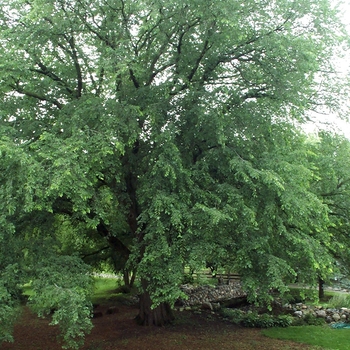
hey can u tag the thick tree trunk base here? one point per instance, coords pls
(159, 316)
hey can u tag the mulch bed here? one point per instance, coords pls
(119, 331)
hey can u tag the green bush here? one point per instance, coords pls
(339, 300)
(123, 289)
(308, 320)
(254, 320)
(8, 314)
(298, 295)
(187, 279)
(234, 315)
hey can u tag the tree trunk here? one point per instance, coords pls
(129, 277)
(126, 277)
(320, 288)
(159, 316)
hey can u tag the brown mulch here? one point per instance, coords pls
(119, 331)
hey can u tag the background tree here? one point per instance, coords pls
(332, 178)
(167, 128)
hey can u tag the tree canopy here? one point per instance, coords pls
(160, 134)
(330, 156)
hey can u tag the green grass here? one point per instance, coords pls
(310, 297)
(104, 289)
(322, 336)
(27, 289)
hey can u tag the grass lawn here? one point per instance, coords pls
(322, 336)
(103, 288)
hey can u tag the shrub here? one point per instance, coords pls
(187, 279)
(254, 320)
(339, 300)
(235, 316)
(123, 289)
(308, 320)
(296, 295)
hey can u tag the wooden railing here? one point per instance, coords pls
(222, 278)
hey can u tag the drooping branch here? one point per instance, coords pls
(65, 206)
(336, 191)
(44, 70)
(16, 87)
(114, 241)
(83, 256)
(342, 182)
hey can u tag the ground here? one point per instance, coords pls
(119, 331)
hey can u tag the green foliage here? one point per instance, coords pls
(266, 321)
(8, 314)
(308, 320)
(187, 279)
(149, 136)
(10, 298)
(63, 287)
(300, 295)
(339, 300)
(332, 185)
(234, 315)
(255, 320)
(73, 314)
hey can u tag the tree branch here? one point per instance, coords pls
(44, 70)
(74, 56)
(133, 78)
(32, 94)
(83, 256)
(114, 242)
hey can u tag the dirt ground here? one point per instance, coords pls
(119, 331)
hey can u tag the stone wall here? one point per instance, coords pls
(210, 297)
(330, 315)
(204, 295)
